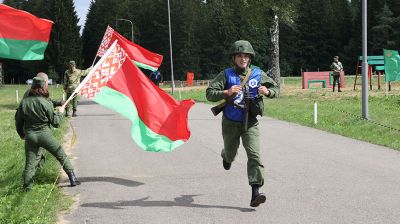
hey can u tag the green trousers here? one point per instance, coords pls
(74, 102)
(231, 133)
(45, 139)
(336, 79)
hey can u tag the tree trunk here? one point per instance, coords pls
(1, 74)
(275, 71)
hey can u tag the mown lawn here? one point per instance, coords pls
(42, 204)
(339, 113)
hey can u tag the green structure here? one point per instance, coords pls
(392, 65)
(376, 63)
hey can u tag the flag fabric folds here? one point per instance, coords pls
(23, 36)
(102, 72)
(142, 57)
(159, 122)
(392, 65)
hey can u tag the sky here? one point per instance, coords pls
(82, 7)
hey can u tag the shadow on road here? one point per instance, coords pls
(182, 201)
(115, 180)
(87, 102)
(96, 115)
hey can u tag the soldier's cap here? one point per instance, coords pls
(72, 63)
(336, 57)
(38, 82)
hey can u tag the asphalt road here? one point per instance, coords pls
(311, 176)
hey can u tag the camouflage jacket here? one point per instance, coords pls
(72, 79)
(336, 68)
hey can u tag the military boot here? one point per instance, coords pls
(27, 189)
(66, 113)
(41, 162)
(73, 179)
(226, 165)
(74, 113)
(257, 198)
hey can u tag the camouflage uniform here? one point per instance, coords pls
(336, 67)
(33, 119)
(232, 130)
(72, 79)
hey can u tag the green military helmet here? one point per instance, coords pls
(242, 46)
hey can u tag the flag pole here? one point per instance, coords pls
(364, 67)
(170, 49)
(95, 58)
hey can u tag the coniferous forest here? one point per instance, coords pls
(311, 32)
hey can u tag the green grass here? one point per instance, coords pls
(339, 113)
(17, 206)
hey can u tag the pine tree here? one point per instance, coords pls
(187, 53)
(65, 42)
(384, 33)
(103, 13)
(338, 26)
(394, 6)
(313, 43)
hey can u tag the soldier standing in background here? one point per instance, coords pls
(228, 84)
(156, 77)
(72, 78)
(337, 68)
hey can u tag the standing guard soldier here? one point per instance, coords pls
(232, 83)
(72, 78)
(337, 68)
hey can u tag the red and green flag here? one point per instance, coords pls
(159, 122)
(142, 57)
(23, 36)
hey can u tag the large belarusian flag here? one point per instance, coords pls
(23, 36)
(159, 122)
(142, 57)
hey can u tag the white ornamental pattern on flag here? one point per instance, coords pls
(104, 72)
(105, 42)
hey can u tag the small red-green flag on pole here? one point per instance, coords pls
(23, 36)
(142, 57)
